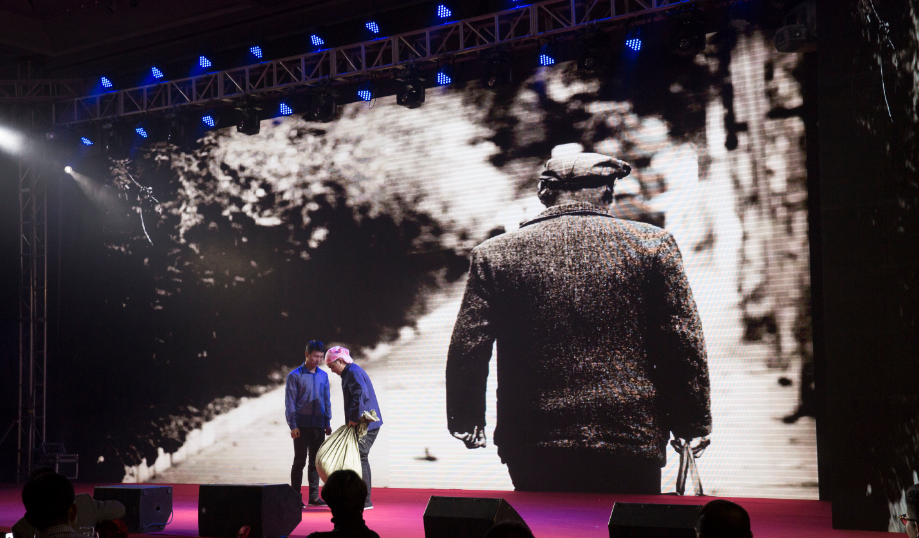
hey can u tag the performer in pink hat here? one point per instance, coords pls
(359, 397)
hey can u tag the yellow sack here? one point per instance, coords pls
(340, 451)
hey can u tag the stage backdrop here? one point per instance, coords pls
(184, 308)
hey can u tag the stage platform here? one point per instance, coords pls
(398, 513)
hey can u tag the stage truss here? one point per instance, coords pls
(523, 26)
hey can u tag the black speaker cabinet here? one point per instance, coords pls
(466, 517)
(270, 510)
(633, 520)
(146, 508)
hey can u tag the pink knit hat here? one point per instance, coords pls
(338, 352)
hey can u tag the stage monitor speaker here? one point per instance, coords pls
(466, 517)
(146, 508)
(633, 520)
(270, 510)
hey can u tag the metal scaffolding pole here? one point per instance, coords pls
(33, 307)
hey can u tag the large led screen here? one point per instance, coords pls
(197, 276)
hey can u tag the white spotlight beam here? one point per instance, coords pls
(518, 27)
(10, 140)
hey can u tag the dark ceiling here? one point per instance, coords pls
(84, 38)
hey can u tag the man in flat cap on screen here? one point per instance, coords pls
(600, 348)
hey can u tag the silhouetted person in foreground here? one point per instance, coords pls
(90, 512)
(508, 530)
(911, 518)
(345, 493)
(50, 506)
(724, 519)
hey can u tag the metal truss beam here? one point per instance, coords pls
(516, 27)
(33, 309)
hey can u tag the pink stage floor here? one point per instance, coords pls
(398, 513)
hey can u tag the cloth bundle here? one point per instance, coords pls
(340, 451)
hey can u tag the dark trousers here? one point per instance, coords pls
(563, 469)
(364, 447)
(307, 444)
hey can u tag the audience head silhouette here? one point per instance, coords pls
(345, 492)
(724, 519)
(509, 530)
(48, 499)
(912, 511)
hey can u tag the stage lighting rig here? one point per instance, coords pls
(498, 73)
(594, 54)
(411, 89)
(248, 121)
(323, 105)
(687, 33)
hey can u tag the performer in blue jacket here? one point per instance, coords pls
(359, 397)
(308, 409)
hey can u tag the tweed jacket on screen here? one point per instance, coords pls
(599, 342)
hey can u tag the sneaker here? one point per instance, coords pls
(368, 506)
(318, 502)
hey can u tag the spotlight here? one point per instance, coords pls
(10, 140)
(316, 40)
(411, 92)
(256, 51)
(157, 74)
(445, 75)
(323, 106)
(594, 55)
(687, 34)
(633, 40)
(86, 141)
(106, 83)
(68, 169)
(176, 133)
(444, 12)
(547, 54)
(498, 73)
(248, 122)
(373, 27)
(204, 62)
(141, 131)
(285, 109)
(365, 90)
(115, 139)
(209, 120)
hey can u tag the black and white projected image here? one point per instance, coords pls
(358, 232)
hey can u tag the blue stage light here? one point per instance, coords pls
(365, 91)
(445, 75)
(633, 39)
(286, 110)
(106, 83)
(157, 74)
(444, 12)
(373, 27)
(86, 141)
(316, 40)
(547, 54)
(209, 120)
(204, 62)
(256, 51)
(141, 131)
